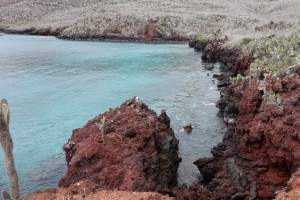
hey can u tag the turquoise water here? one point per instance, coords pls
(55, 86)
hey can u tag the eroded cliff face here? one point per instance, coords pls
(258, 156)
(260, 149)
(140, 153)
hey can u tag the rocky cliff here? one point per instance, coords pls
(260, 149)
(140, 154)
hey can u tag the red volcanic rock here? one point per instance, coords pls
(234, 59)
(258, 156)
(271, 136)
(140, 153)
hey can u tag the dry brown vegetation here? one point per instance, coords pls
(185, 18)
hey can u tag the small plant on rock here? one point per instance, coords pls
(201, 38)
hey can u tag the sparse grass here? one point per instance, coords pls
(4, 27)
(180, 18)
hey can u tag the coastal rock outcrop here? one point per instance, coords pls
(260, 148)
(140, 157)
(235, 60)
(140, 153)
(259, 154)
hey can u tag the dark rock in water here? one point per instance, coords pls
(209, 168)
(218, 151)
(188, 127)
(215, 76)
(222, 83)
(199, 45)
(221, 104)
(222, 77)
(141, 153)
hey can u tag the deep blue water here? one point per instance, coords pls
(55, 86)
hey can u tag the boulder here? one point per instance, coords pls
(140, 154)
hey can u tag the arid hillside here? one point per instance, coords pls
(150, 19)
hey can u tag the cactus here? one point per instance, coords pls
(7, 145)
(103, 129)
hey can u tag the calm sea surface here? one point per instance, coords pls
(55, 86)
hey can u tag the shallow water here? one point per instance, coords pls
(55, 86)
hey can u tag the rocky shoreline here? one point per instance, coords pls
(259, 152)
(257, 157)
(150, 35)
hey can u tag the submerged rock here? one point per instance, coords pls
(141, 153)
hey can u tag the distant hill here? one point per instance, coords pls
(150, 19)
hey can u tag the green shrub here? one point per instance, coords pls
(274, 55)
(201, 38)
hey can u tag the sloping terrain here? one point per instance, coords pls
(171, 19)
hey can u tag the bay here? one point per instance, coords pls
(54, 86)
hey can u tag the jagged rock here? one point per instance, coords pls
(261, 146)
(140, 154)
